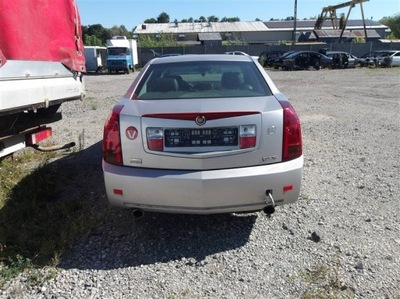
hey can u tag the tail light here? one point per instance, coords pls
(40, 135)
(292, 141)
(247, 136)
(155, 139)
(112, 152)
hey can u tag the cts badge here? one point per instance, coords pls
(131, 133)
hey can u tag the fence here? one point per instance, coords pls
(357, 49)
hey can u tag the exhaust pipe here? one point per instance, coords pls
(137, 213)
(270, 208)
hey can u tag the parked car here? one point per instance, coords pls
(342, 59)
(303, 60)
(388, 59)
(202, 134)
(236, 53)
(267, 58)
(240, 53)
(278, 61)
(371, 58)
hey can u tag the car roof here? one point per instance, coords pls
(306, 51)
(300, 52)
(235, 53)
(392, 51)
(380, 52)
(336, 52)
(202, 57)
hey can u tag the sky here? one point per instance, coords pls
(131, 13)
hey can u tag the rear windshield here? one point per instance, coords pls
(202, 79)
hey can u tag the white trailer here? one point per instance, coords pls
(95, 57)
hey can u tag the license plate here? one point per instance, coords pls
(201, 137)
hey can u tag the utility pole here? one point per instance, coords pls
(294, 23)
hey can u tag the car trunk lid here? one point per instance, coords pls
(229, 133)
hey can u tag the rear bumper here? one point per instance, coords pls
(202, 192)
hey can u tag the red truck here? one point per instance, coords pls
(42, 63)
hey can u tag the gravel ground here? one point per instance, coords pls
(340, 240)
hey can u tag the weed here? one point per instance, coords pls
(36, 277)
(316, 275)
(15, 266)
(91, 102)
(323, 283)
(36, 226)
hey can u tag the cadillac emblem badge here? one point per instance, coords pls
(200, 120)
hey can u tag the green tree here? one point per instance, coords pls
(120, 30)
(358, 40)
(97, 30)
(95, 35)
(150, 21)
(212, 19)
(394, 24)
(234, 19)
(341, 21)
(163, 18)
(202, 19)
(92, 40)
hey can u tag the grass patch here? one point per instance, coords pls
(91, 103)
(323, 282)
(36, 226)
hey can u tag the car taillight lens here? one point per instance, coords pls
(40, 135)
(292, 141)
(155, 139)
(112, 152)
(247, 136)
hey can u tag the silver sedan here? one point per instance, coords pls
(202, 134)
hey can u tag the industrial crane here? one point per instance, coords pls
(332, 11)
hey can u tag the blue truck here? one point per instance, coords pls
(121, 54)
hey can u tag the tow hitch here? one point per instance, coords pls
(52, 148)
